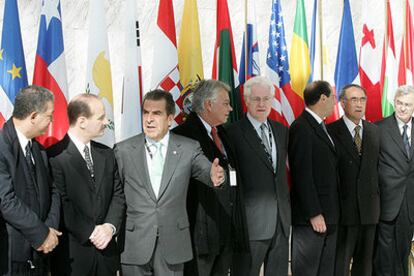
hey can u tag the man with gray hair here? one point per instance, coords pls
(210, 211)
(260, 145)
(396, 182)
(29, 202)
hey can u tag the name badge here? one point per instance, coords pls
(233, 177)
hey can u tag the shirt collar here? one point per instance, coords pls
(163, 141)
(79, 145)
(23, 141)
(351, 125)
(256, 124)
(401, 123)
(314, 115)
(206, 125)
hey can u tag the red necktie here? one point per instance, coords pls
(216, 139)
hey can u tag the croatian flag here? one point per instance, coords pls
(13, 76)
(50, 68)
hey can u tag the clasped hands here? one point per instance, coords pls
(102, 235)
(50, 242)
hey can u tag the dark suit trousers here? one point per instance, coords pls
(273, 253)
(394, 244)
(23, 269)
(215, 265)
(157, 266)
(355, 243)
(313, 254)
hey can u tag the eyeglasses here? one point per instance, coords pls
(355, 100)
(258, 99)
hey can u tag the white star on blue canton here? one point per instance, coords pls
(50, 10)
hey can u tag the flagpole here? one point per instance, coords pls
(319, 2)
(246, 48)
(405, 39)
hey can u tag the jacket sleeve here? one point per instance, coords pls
(17, 213)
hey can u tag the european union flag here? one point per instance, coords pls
(13, 76)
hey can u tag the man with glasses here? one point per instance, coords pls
(357, 146)
(396, 182)
(260, 146)
(314, 194)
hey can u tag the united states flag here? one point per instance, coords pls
(286, 105)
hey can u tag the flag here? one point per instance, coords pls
(319, 54)
(287, 105)
(98, 70)
(190, 60)
(249, 60)
(300, 68)
(224, 60)
(12, 64)
(369, 71)
(50, 69)
(389, 68)
(131, 122)
(165, 73)
(406, 63)
(250, 53)
(346, 69)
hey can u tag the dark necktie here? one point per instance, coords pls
(29, 159)
(357, 139)
(88, 160)
(406, 141)
(217, 140)
(265, 142)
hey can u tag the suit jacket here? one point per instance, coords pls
(21, 229)
(358, 188)
(313, 167)
(212, 212)
(265, 192)
(396, 170)
(166, 216)
(87, 202)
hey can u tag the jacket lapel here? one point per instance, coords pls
(346, 139)
(99, 165)
(139, 156)
(318, 129)
(395, 134)
(171, 161)
(276, 141)
(78, 162)
(253, 140)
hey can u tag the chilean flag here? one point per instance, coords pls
(50, 68)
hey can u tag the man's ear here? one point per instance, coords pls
(81, 121)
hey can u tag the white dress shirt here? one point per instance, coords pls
(351, 126)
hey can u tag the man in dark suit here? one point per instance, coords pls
(210, 211)
(260, 146)
(155, 168)
(314, 194)
(29, 203)
(396, 181)
(93, 201)
(357, 147)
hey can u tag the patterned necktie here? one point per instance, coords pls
(29, 158)
(357, 139)
(157, 168)
(265, 142)
(406, 141)
(88, 160)
(217, 139)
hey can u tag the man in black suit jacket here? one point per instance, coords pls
(210, 211)
(29, 203)
(396, 182)
(314, 194)
(93, 202)
(260, 146)
(357, 146)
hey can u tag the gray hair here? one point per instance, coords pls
(404, 90)
(206, 90)
(258, 80)
(31, 99)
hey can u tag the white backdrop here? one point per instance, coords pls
(75, 31)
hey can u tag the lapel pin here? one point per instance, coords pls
(174, 152)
